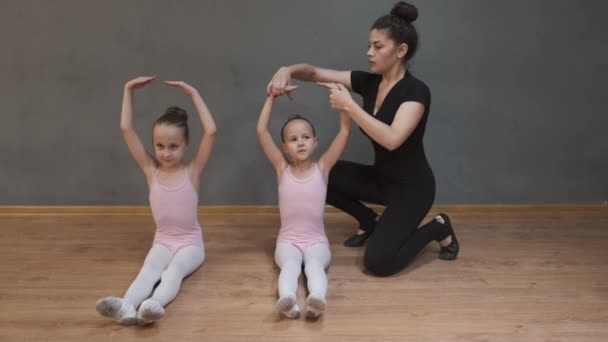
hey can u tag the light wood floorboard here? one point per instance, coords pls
(523, 275)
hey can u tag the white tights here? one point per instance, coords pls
(170, 269)
(316, 259)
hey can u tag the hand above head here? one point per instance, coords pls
(279, 84)
(287, 92)
(139, 82)
(185, 87)
(339, 96)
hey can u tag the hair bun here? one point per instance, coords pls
(406, 11)
(178, 112)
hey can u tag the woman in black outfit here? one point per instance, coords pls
(394, 115)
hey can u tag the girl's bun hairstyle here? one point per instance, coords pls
(177, 117)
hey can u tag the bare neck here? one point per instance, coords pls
(171, 169)
(394, 74)
(302, 164)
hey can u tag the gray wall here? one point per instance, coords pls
(518, 112)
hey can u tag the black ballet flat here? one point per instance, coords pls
(357, 240)
(449, 252)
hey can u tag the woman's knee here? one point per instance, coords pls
(379, 262)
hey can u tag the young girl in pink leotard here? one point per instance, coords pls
(302, 186)
(177, 249)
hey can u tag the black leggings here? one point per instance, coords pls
(396, 239)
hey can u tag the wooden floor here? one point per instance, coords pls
(523, 275)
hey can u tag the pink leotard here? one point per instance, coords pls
(175, 212)
(302, 205)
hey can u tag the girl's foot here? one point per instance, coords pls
(149, 311)
(288, 307)
(118, 309)
(315, 306)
